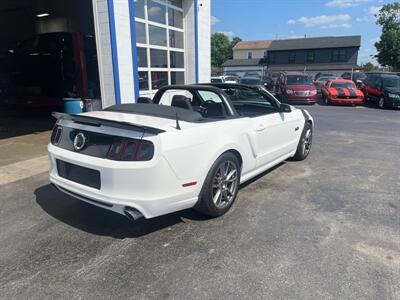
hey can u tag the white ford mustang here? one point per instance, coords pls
(190, 146)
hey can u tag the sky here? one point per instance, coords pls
(281, 19)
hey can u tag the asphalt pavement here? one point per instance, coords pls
(324, 228)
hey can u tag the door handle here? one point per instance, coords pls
(260, 128)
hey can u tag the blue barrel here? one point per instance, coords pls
(73, 106)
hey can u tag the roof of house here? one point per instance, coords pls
(316, 43)
(245, 45)
(243, 62)
(301, 43)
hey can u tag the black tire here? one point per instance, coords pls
(366, 98)
(215, 181)
(305, 143)
(325, 99)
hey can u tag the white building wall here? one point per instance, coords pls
(103, 41)
(190, 51)
(242, 54)
(124, 50)
(204, 42)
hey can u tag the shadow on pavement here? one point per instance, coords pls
(98, 221)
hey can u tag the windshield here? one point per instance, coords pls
(250, 81)
(348, 85)
(298, 80)
(323, 79)
(391, 81)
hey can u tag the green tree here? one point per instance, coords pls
(234, 41)
(389, 45)
(220, 49)
(368, 67)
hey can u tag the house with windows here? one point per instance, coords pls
(311, 55)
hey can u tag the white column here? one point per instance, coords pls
(204, 40)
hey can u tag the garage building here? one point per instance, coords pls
(119, 49)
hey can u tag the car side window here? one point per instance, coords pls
(373, 81)
(251, 103)
(378, 82)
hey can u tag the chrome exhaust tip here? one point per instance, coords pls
(132, 214)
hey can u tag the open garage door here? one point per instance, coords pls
(47, 54)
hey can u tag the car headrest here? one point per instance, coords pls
(181, 101)
(215, 110)
(144, 100)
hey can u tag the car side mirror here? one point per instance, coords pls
(285, 108)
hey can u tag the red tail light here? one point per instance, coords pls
(123, 149)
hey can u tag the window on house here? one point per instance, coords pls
(271, 58)
(310, 56)
(249, 55)
(339, 55)
(292, 57)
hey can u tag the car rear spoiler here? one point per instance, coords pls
(93, 121)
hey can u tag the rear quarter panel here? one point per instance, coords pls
(192, 151)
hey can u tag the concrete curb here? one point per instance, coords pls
(23, 169)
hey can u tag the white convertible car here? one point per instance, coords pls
(190, 146)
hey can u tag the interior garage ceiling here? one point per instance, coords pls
(18, 18)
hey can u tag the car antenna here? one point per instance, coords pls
(177, 122)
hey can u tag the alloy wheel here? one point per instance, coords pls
(307, 142)
(225, 183)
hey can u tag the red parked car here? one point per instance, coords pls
(341, 91)
(297, 88)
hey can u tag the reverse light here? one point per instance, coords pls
(124, 149)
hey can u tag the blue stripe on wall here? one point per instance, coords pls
(196, 39)
(134, 49)
(114, 53)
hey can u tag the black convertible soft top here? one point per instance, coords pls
(157, 110)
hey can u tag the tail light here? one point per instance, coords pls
(123, 149)
(56, 135)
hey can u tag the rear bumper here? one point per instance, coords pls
(152, 188)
